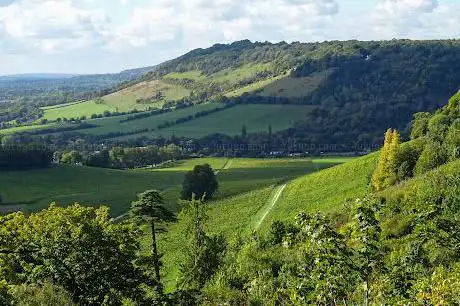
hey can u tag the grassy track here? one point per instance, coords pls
(278, 191)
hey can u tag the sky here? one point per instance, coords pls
(102, 36)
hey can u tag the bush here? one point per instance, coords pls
(434, 155)
(42, 295)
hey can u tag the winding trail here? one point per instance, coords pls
(267, 208)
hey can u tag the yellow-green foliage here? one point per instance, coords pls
(443, 288)
(385, 174)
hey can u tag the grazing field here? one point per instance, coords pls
(126, 99)
(33, 190)
(61, 105)
(121, 101)
(113, 124)
(76, 110)
(257, 118)
(256, 86)
(90, 186)
(233, 75)
(22, 129)
(195, 75)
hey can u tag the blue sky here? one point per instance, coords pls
(98, 36)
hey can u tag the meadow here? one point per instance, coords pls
(256, 118)
(126, 99)
(34, 190)
(76, 110)
(121, 101)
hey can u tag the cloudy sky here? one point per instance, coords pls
(97, 36)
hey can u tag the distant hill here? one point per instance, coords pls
(35, 77)
(354, 89)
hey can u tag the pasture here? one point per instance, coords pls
(126, 99)
(256, 118)
(34, 190)
(76, 110)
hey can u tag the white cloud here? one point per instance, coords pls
(198, 22)
(52, 25)
(401, 7)
(415, 19)
(108, 35)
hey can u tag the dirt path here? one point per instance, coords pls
(226, 166)
(267, 208)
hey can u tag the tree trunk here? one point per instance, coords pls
(366, 301)
(156, 260)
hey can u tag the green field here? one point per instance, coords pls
(122, 101)
(76, 110)
(34, 189)
(233, 75)
(195, 75)
(256, 86)
(112, 124)
(61, 105)
(294, 87)
(257, 118)
(125, 100)
(26, 128)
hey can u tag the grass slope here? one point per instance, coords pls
(122, 101)
(245, 190)
(294, 87)
(125, 100)
(325, 190)
(76, 110)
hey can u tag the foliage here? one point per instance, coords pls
(432, 156)
(201, 183)
(386, 172)
(150, 206)
(204, 252)
(40, 295)
(78, 248)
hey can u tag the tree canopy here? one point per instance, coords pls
(201, 182)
